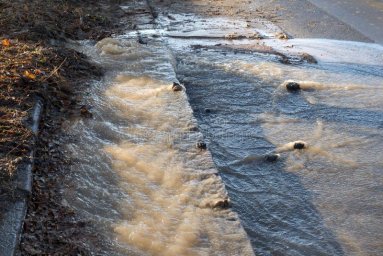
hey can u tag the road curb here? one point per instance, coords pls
(13, 219)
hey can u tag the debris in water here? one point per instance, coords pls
(197, 46)
(282, 35)
(222, 204)
(84, 110)
(308, 58)
(142, 41)
(171, 17)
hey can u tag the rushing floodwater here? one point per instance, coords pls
(150, 191)
(325, 199)
(139, 175)
(312, 201)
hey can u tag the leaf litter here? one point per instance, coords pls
(35, 64)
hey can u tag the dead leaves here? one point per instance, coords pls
(29, 75)
(19, 63)
(34, 75)
(5, 42)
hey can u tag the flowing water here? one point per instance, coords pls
(303, 169)
(139, 175)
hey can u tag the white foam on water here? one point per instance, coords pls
(337, 88)
(327, 50)
(340, 163)
(174, 201)
(195, 26)
(311, 85)
(172, 195)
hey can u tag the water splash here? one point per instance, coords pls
(174, 203)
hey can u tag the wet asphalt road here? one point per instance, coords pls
(365, 16)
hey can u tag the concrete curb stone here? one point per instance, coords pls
(13, 219)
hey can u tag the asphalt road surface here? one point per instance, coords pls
(365, 16)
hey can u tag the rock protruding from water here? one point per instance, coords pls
(300, 145)
(292, 86)
(222, 204)
(201, 145)
(272, 157)
(218, 203)
(292, 146)
(176, 87)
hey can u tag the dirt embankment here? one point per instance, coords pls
(35, 64)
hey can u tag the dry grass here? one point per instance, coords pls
(28, 70)
(29, 65)
(16, 61)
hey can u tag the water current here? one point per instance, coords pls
(303, 167)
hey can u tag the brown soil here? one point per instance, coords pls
(34, 63)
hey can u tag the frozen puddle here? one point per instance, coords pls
(142, 178)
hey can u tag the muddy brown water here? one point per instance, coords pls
(140, 177)
(150, 191)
